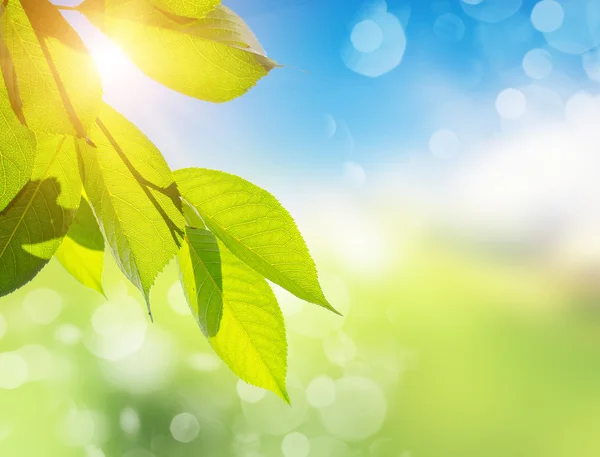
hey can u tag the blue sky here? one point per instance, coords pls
(396, 112)
(429, 66)
(384, 118)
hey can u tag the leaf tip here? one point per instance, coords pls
(284, 395)
(147, 298)
(325, 304)
(335, 311)
(101, 291)
(281, 392)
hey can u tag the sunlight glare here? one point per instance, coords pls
(112, 63)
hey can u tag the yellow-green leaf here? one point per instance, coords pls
(17, 151)
(255, 227)
(82, 251)
(9, 74)
(134, 197)
(192, 217)
(34, 224)
(201, 275)
(57, 80)
(214, 58)
(187, 8)
(251, 335)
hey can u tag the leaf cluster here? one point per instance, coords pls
(78, 179)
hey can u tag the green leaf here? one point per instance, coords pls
(134, 197)
(33, 225)
(82, 251)
(200, 270)
(17, 151)
(251, 333)
(214, 58)
(56, 79)
(186, 8)
(9, 74)
(192, 217)
(255, 227)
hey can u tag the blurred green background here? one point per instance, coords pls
(444, 353)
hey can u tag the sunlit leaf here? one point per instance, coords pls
(135, 199)
(186, 8)
(251, 333)
(57, 83)
(214, 58)
(9, 75)
(17, 151)
(35, 222)
(82, 251)
(255, 227)
(192, 217)
(200, 270)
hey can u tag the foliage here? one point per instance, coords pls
(77, 177)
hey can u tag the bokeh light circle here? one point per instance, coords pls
(204, 361)
(491, 11)
(543, 103)
(118, 329)
(147, 369)
(329, 125)
(449, 28)
(358, 411)
(273, 416)
(547, 16)
(42, 306)
(320, 392)
(591, 64)
(366, 36)
(444, 144)
(511, 103)
(68, 334)
(13, 370)
(339, 349)
(354, 174)
(250, 393)
(375, 45)
(295, 445)
(93, 451)
(290, 304)
(177, 300)
(537, 63)
(579, 29)
(185, 427)
(79, 427)
(581, 109)
(129, 420)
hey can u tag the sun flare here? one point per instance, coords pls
(112, 62)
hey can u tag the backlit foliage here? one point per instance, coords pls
(77, 178)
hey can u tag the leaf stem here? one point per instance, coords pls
(67, 8)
